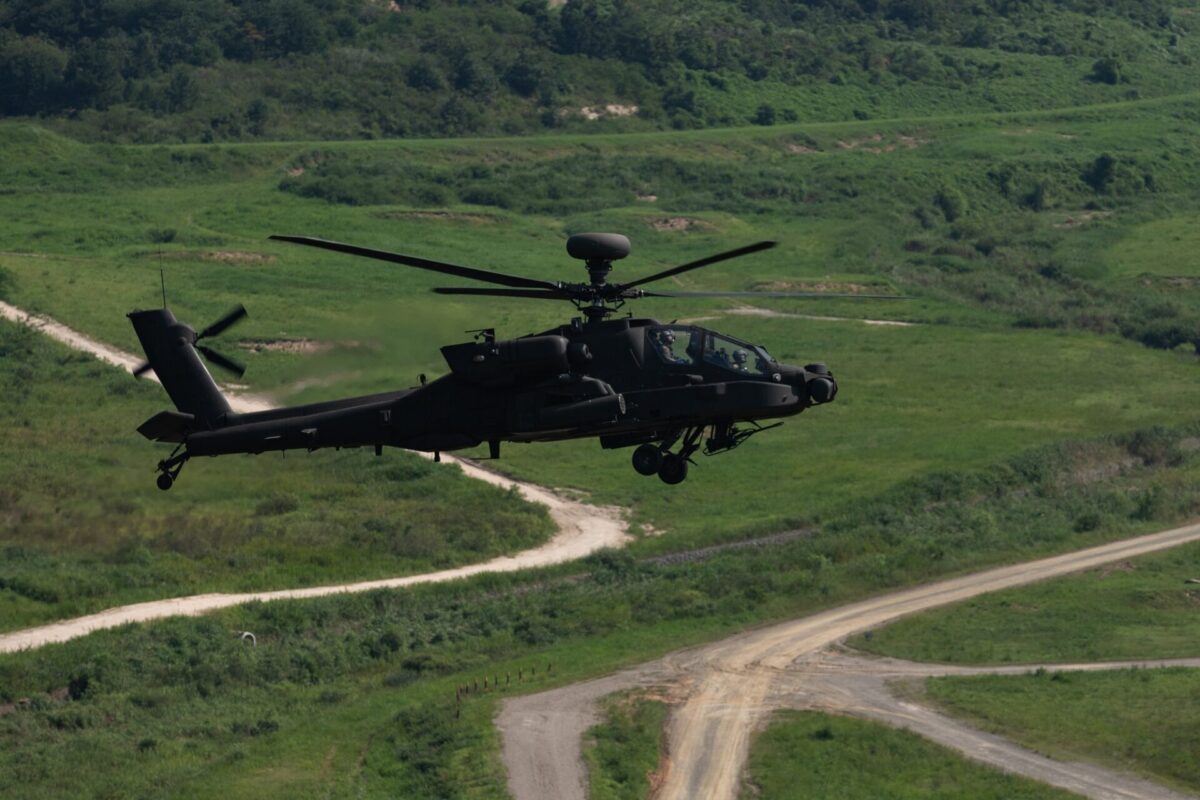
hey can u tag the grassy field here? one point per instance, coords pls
(1143, 721)
(818, 756)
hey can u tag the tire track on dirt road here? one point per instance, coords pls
(731, 686)
(581, 529)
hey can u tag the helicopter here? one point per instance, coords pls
(667, 390)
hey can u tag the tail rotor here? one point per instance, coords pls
(189, 336)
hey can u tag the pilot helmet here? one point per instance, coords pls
(739, 357)
(666, 336)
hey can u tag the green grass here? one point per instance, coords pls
(817, 756)
(1162, 248)
(1143, 608)
(1142, 721)
(623, 750)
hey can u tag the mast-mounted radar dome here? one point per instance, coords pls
(598, 246)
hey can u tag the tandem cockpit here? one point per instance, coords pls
(690, 347)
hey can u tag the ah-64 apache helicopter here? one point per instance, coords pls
(629, 381)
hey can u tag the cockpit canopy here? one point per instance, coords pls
(689, 345)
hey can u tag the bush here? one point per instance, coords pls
(1107, 70)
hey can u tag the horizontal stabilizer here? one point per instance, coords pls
(168, 426)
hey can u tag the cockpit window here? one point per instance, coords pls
(734, 355)
(675, 344)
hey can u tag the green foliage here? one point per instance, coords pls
(192, 70)
(811, 755)
(31, 73)
(1108, 70)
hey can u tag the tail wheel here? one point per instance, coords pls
(673, 470)
(647, 459)
(165, 481)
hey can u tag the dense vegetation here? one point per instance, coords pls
(220, 70)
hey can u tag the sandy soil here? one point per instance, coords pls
(581, 528)
(732, 686)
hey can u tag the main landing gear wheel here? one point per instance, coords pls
(674, 469)
(647, 459)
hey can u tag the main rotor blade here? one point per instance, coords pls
(420, 263)
(223, 323)
(536, 294)
(221, 360)
(803, 295)
(704, 262)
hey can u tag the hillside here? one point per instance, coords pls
(218, 70)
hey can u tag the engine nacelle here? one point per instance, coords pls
(491, 363)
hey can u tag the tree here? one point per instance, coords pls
(31, 76)
(765, 115)
(1107, 70)
(1101, 173)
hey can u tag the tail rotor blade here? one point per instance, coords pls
(141, 369)
(224, 322)
(221, 360)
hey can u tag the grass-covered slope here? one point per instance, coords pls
(218, 70)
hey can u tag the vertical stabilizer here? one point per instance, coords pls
(168, 346)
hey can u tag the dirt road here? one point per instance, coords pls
(581, 528)
(732, 685)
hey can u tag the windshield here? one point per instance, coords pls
(683, 345)
(731, 354)
(675, 344)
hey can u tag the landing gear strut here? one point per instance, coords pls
(168, 469)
